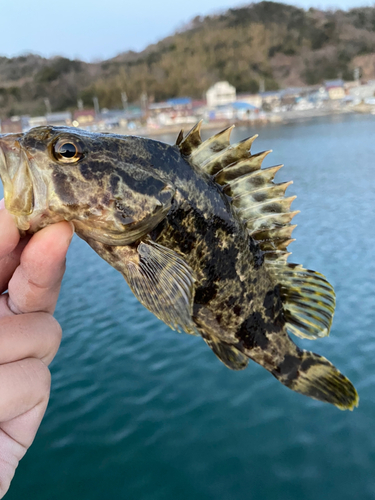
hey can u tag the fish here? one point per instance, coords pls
(200, 232)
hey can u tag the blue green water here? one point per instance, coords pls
(138, 411)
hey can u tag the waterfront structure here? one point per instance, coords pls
(220, 94)
(60, 119)
(84, 117)
(271, 99)
(253, 99)
(335, 89)
(35, 121)
(363, 92)
(174, 111)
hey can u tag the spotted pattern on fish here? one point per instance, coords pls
(199, 231)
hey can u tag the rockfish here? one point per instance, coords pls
(198, 230)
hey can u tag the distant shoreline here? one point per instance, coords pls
(286, 117)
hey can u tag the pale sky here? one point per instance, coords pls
(100, 29)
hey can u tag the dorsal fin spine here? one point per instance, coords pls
(265, 175)
(272, 191)
(235, 170)
(192, 140)
(270, 221)
(231, 155)
(180, 137)
(285, 202)
(206, 149)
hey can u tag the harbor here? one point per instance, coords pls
(222, 107)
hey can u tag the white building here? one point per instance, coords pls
(253, 99)
(34, 121)
(220, 93)
(363, 91)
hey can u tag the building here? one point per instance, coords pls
(84, 117)
(253, 99)
(219, 94)
(34, 121)
(335, 89)
(174, 111)
(270, 99)
(177, 106)
(362, 92)
(61, 119)
(245, 111)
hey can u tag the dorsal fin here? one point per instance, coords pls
(308, 298)
(192, 140)
(255, 198)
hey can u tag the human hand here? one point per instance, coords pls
(31, 270)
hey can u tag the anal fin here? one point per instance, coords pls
(228, 354)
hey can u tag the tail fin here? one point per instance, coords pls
(314, 376)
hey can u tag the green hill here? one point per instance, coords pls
(280, 44)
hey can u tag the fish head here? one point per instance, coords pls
(103, 183)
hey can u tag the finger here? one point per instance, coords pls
(35, 284)
(16, 436)
(33, 335)
(9, 233)
(10, 262)
(24, 394)
(23, 385)
(10, 247)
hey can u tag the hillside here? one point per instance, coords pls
(280, 44)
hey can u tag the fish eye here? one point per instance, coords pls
(68, 151)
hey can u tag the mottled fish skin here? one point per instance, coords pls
(126, 192)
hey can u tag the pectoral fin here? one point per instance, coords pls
(163, 283)
(159, 278)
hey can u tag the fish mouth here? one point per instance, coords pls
(16, 178)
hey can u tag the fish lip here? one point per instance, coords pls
(4, 173)
(8, 144)
(16, 178)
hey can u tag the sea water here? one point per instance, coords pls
(139, 412)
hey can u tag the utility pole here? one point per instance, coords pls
(124, 99)
(356, 74)
(47, 105)
(262, 85)
(96, 105)
(80, 104)
(144, 101)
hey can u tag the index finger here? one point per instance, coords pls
(10, 247)
(9, 232)
(35, 284)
